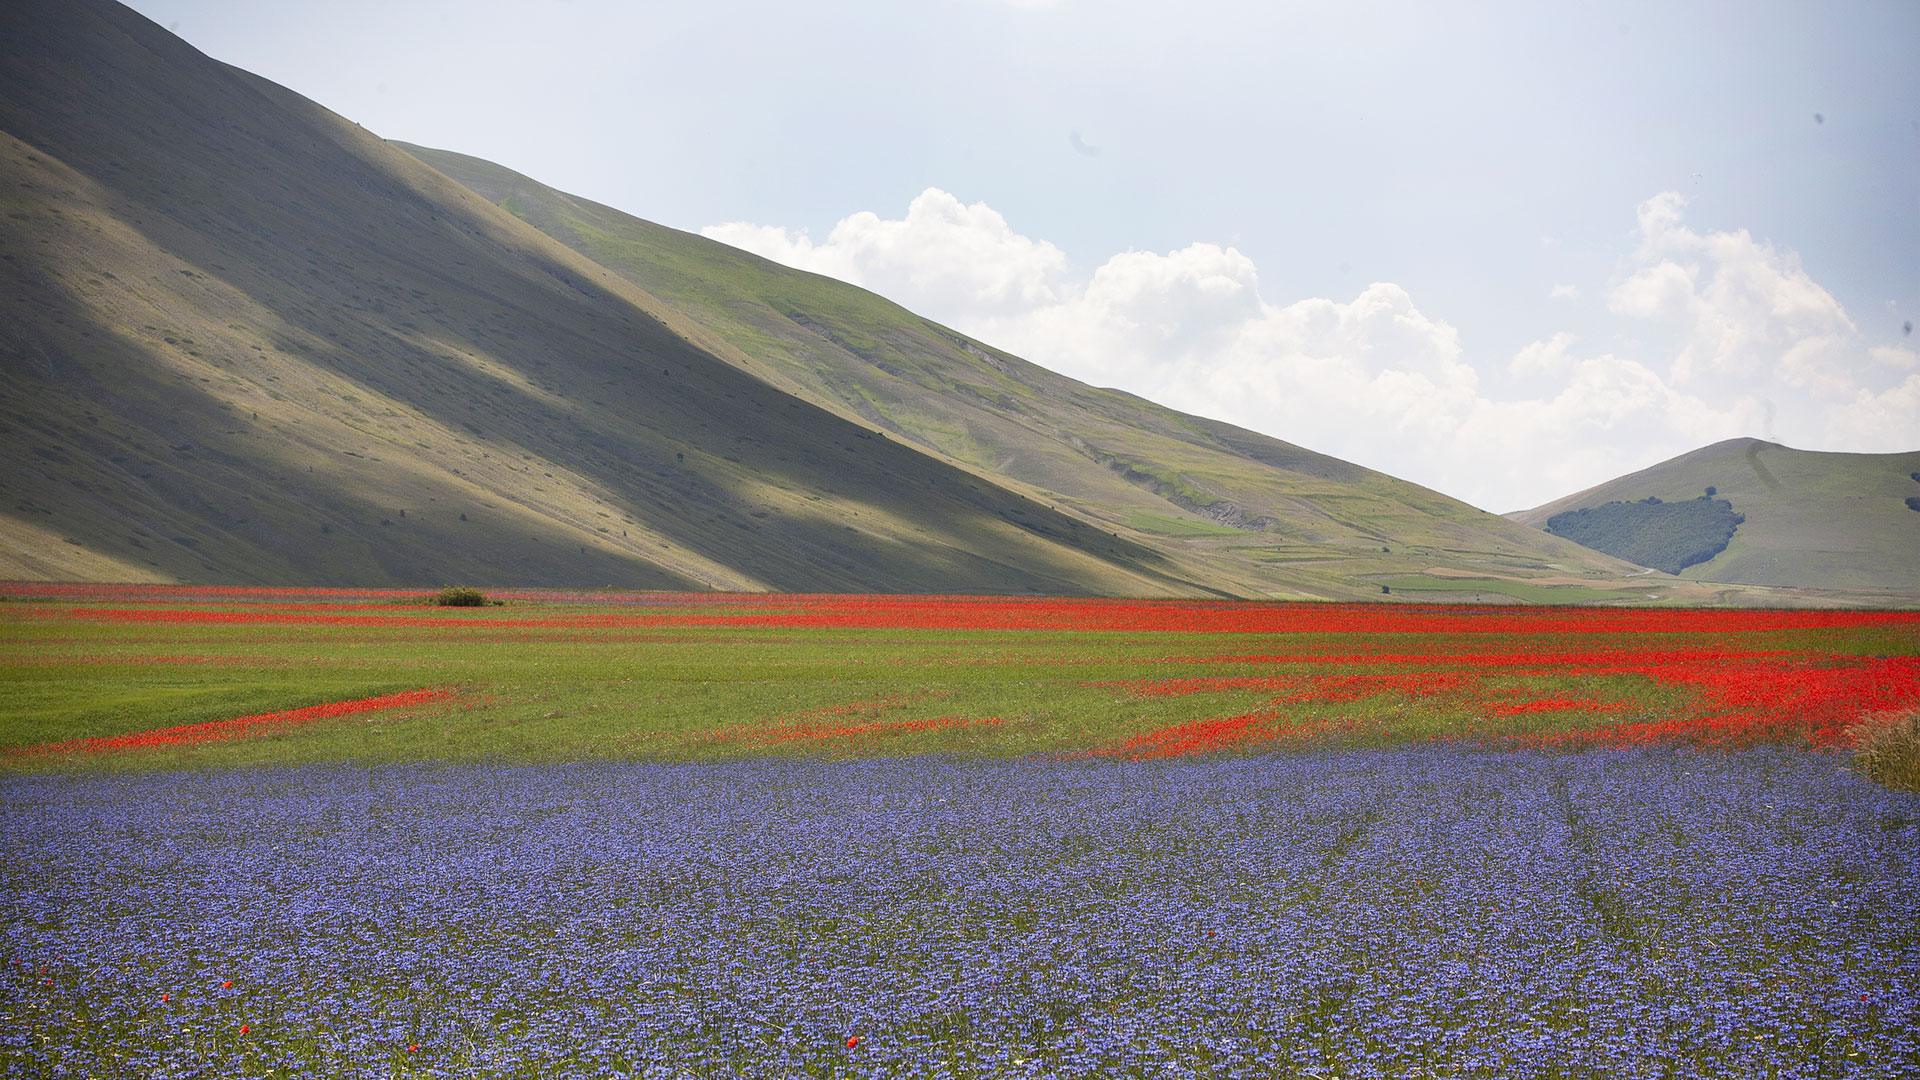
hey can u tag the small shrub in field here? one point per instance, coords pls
(1887, 748)
(460, 596)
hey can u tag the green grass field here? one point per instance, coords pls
(1502, 590)
(553, 677)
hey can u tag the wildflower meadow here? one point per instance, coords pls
(353, 833)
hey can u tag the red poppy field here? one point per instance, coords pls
(142, 676)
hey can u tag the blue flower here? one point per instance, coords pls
(1367, 913)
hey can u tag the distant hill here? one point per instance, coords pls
(1807, 519)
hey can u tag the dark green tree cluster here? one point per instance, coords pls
(1666, 536)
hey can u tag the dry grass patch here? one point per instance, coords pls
(1886, 747)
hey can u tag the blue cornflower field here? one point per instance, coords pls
(1418, 912)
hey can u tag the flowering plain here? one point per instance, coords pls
(138, 677)
(278, 832)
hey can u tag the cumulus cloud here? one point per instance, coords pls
(1739, 306)
(1873, 422)
(1564, 292)
(964, 258)
(1377, 380)
(1549, 357)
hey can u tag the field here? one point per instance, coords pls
(309, 832)
(145, 677)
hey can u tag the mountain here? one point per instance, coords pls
(248, 341)
(1254, 515)
(1806, 519)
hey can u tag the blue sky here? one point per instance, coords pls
(1504, 250)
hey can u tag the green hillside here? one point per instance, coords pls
(248, 341)
(1820, 520)
(1253, 514)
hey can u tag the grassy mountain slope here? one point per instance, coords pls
(246, 340)
(1253, 514)
(1812, 519)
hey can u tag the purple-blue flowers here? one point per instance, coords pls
(1371, 913)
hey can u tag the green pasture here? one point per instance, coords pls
(523, 691)
(1501, 589)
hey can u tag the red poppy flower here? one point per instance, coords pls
(853, 1041)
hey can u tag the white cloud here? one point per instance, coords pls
(1662, 291)
(1739, 307)
(1877, 422)
(960, 258)
(1564, 292)
(1376, 380)
(1894, 356)
(1544, 357)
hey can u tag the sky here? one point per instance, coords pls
(1504, 250)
